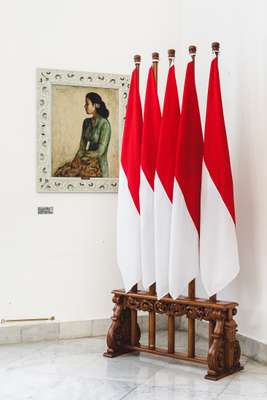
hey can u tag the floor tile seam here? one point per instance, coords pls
(231, 379)
(114, 379)
(175, 390)
(183, 388)
(245, 396)
(176, 386)
(126, 394)
(253, 372)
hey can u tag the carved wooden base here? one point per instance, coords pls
(224, 352)
(119, 333)
(111, 354)
(223, 374)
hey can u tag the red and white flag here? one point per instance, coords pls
(165, 166)
(219, 263)
(150, 137)
(128, 217)
(185, 225)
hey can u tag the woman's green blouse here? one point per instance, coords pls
(94, 142)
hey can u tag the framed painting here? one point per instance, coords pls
(80, 123)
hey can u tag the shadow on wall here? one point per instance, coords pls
(245, 184)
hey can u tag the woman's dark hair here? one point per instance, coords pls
(99, 103)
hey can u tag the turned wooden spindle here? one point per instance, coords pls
(134, 321)
(192, 51)
(215, 48)
(171, 56)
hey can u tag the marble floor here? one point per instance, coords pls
(76, 370)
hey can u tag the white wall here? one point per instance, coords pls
(65, 264)
(62, 264)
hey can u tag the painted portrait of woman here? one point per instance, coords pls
(80, 125)
(91, 158)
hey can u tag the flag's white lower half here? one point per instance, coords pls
(219, 263)
(147, 231)
(128, 235)
(184, 245)
(163, 208)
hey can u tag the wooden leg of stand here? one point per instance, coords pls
(119, 333)
(216, 362)
(133, 327)
(171, 334)
(152, 322)
(211, 331)
(191, 322)
(232, 347)
(134, 321)
(212, 323)
(230, 329)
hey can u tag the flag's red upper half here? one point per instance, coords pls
(151, 129)
(165, 164)
(216, 153)
(189, 153)
(131, 144)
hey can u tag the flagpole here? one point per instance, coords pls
(155, 62)
(215, 49)
(137, 61)
(152, 288)
(171, 320)
(192, 285)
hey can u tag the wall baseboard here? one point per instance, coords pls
(53, 330)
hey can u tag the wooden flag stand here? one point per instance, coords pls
(124, 333)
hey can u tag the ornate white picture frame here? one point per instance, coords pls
(67, 88)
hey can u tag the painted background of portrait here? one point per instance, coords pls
(66, 126)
